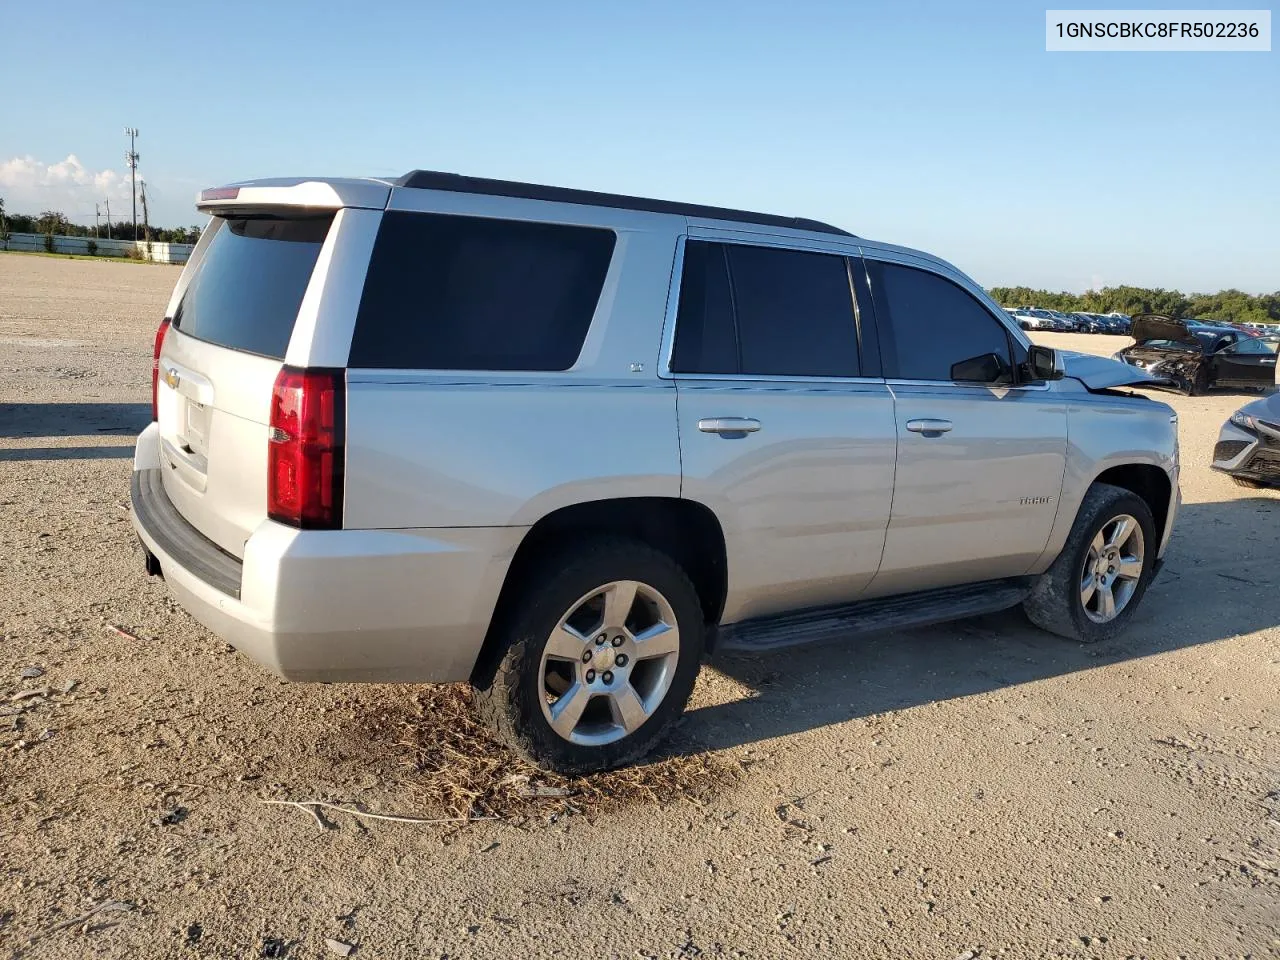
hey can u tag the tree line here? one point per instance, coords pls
(1235, 306)
(54, 223)
(1232, 305)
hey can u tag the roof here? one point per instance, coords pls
(457, 183)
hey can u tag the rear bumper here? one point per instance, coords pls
(387, 606)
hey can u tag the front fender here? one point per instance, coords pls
(1106, 433)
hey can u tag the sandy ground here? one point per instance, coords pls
(979, 789)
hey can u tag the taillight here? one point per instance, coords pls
(305, 449)
(155, 369)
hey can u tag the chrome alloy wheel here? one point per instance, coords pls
(609, 663)
(1112, 568)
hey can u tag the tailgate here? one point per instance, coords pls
(218, 364)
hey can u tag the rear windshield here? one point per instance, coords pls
(246, 290)
(464, 293)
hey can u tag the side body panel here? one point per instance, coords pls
(804, 502)
(1105, 432)
(1239, 369)
(977, 502)
(458, 449)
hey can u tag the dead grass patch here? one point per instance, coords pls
(458, 766)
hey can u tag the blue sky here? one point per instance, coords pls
(944, 126)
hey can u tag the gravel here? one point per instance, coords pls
(1052, 798)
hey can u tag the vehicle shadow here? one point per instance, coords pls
(1217, 582)
(72, 419)
(27, 454)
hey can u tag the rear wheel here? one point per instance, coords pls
(1093, 588)
(600, 656)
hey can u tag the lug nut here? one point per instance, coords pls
(600, 640)
(608, 676)
(586, 656)
(591, 675)
(617, 641)
(620, 660)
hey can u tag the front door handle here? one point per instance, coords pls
(929, 426)
(724, 425)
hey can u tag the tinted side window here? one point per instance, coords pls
(795, 312)
(465, 293)
(246, 292)
(765, 312)
(706, 338)
(1254, 347)
(927, 323)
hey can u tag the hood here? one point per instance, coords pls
(1153, 326)
(1103, 373)
(1267, 408)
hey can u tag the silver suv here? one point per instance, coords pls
(562, 445)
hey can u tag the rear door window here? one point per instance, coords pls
(928, 324)
(466, 293)
(246, 291)
(765, 311)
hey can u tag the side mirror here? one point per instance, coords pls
(987, 368)
(1044, 363)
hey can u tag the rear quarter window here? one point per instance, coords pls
(465, 293)
(246, 290)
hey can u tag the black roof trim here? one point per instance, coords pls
(457, 183)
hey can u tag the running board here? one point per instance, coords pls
(849, 620)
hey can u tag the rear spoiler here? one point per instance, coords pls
(299, 192)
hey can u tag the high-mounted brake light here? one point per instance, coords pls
(305, 455)
(219, 193)
(155, 369)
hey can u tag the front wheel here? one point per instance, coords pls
(1198, 385)
(1093, 588)
(599, 658)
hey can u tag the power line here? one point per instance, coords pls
(131, 158)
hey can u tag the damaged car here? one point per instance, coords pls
(1248, 447)
(1197, 356)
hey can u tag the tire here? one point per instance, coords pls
(1198, 385)
(1057, 601)
(1247, 482)
(516, 700)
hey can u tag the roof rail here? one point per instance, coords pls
(457, 183)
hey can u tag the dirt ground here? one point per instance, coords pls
(973, 790)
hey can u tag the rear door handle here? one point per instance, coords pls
(724, 425)
(929, 426)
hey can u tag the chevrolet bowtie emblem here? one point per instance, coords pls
(171, 378)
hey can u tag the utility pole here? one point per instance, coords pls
(95, 221)
(131, 158)
(108, 218)
(146, 224)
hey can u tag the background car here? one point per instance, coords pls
(1248, 446)
(1089, 322)
(1032, 319)
(1198, 356)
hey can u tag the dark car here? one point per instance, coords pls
(1088, 322)
(1248, 447)
(1197, 356)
